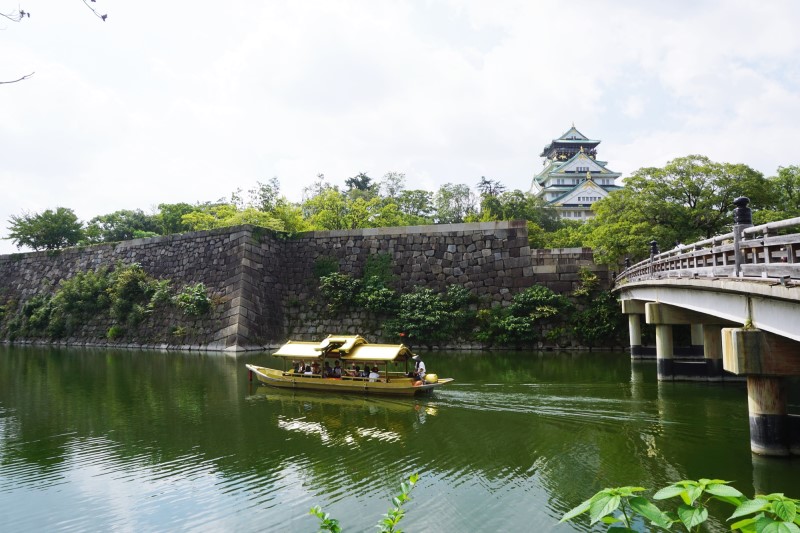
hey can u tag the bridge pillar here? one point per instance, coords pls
(664, 352)
(712, 351)
(765, 359)
(634, 309)
(698, 341)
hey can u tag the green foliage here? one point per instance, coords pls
(130, 291)
(193, 300)
(121, 225)
(339, 290)
(48, 230)
(379, 268)
(453, 203)
(690, 198)
(326, 523)
(428, 317)
(387, 524)
(600, 320)
(617, 508)
(589, 282)
(115, 332)
(324, 266)
(520, 323)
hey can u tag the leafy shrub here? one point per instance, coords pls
(194, 300)
(520, 323)
(324, 266)
(428, 317)
(114, 332)
(339, 290)
(602, 319)
(589, 283)
(378, 267)
(618, 506)
(389, 522)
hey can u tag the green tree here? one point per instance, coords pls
(48, 230)
(690, 198)
(785, 191)
(122, 225)
(518, 205)
(170, 218)
(417, 205)
(212, 216)
(453, 203)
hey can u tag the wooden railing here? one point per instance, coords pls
(756, 252)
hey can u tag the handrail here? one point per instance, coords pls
(754, 252)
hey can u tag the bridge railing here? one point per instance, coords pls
(755, 252)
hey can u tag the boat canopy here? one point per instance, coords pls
(346, 347)
(378, 352)
(299, 350)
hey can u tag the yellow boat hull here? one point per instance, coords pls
(394, 386)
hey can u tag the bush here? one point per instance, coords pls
(520, 323)
(428, 317)
(339, 290)
(325, 266)
(194, 300)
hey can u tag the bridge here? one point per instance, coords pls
(739, 294)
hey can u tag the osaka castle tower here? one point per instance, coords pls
(572, 178)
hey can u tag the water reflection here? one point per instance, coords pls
(132, 440)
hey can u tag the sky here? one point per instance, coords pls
(182, 101)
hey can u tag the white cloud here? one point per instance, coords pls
(189, 101)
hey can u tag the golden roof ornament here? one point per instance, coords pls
(589, 176)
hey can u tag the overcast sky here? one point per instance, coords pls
(175, 100)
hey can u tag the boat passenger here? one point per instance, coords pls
(374, 375)
(364, 373)
(327, 371)
(307, 371)
(419, 368)
(315, 367)
(299, 367)
(337, 369)
(357, 372)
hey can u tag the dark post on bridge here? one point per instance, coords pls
(742, 218)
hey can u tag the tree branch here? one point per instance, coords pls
(103, 17)
(16, 16)
(25, 77)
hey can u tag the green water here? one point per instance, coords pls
(143, 441)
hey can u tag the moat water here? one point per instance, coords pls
(144, 441)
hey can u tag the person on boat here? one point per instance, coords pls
(357, 372)
(315, 367)
(364, 373)
(419, 368)
(307, 371)
(337, 369)
(327, 371)
(299, 367)
(374, 375)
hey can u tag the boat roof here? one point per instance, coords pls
(346, 347)
(378, 352)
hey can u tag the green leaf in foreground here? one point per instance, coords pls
(692, 516)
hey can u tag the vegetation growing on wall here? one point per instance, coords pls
(125, 296)
(426, 317)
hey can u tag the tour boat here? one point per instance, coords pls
(349, 350)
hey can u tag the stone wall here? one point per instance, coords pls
(265, 289)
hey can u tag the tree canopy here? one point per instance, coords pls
(48, 230)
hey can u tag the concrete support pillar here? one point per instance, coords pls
(664, 352)
(712, 351)
(635, 335)
(769, 423)
(634, 309)
(765, 359)
(697, 339)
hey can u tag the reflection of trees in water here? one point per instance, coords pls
(570, 424)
